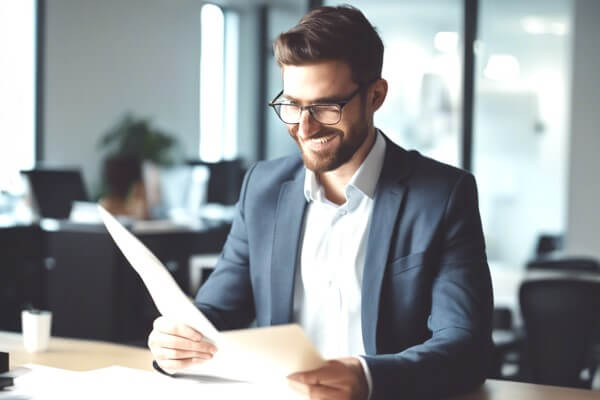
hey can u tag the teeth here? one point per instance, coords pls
(323, 140)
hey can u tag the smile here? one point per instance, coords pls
(323, 139)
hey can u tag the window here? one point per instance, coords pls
(423, 67)
(520, 136)
(218, 83)
(17, 94)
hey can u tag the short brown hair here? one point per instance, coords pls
(333, 33)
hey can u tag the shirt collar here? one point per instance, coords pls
(364, 179)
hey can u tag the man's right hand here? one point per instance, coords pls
(176, 346)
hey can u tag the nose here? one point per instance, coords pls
(307, 126)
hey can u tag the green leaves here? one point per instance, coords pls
(137, 138)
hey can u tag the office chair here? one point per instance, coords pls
(561, 319)
(548, 244)
(575, 264)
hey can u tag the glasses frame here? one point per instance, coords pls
(339, 104)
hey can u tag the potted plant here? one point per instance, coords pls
(128, 146)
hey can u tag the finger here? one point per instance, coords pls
(316, 391)
(170, 327)
(179, 343)
(163, 353)
(298, 387)
(173, 366)
(321, 392)
(331, 372)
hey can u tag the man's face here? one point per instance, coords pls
(326, 147)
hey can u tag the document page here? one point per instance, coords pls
(116, 382)
(250, 355)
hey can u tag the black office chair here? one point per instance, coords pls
(574, 264)
(507, 345)
(561, 319)
(548, 244)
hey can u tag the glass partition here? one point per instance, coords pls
(520, 123)
(423, 67)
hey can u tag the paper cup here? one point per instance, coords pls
(36, 327)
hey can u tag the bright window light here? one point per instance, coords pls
(17, 90)
(232, 23)
(502, 67)
(446, 42)
(544, 26)
(212, 60)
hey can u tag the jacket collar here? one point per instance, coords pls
(398, 165)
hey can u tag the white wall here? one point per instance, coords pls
(105, 58)
(583, 235)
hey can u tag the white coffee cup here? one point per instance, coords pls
(36, 326)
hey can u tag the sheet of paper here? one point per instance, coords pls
(260, 354)
(168, 297)
(41, 382)
(136, 384)
(116, 382)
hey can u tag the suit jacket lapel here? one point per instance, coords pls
(386, 212)
(288, 226)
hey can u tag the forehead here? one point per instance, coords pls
(316, 81)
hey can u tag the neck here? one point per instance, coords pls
(335, 181)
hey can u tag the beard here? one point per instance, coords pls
(328, 160)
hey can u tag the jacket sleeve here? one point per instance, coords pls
(456, 357)
(226, 297)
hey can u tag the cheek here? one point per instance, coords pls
(292, 130)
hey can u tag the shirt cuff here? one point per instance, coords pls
(367, 372)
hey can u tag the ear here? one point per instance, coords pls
(378, 93)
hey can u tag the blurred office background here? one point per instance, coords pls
(520, 110)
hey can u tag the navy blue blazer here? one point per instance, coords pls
(426, 291)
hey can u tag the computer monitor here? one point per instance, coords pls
(55, 190)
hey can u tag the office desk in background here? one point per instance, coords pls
(83, 355)
(77, 272)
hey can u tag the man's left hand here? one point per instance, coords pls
(341, 379)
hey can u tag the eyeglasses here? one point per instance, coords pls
(324, 113)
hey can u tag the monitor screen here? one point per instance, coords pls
(54, 190)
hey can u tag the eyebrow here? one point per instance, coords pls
(321, 100)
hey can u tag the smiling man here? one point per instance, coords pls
(377, 252)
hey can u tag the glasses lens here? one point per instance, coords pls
(289, 113)
(326, 113)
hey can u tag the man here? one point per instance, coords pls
(377, 252)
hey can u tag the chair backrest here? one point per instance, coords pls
(561, 318)
(55, 190)
(547, 244)
(576, 264)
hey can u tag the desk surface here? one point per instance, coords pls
(76, 354)
(83, 355)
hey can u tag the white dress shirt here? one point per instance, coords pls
(327, 293)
